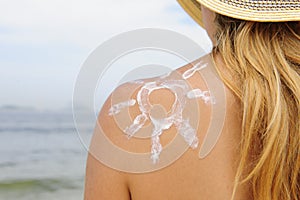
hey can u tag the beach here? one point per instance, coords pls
(41, 155)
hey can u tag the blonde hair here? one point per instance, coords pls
(263, 61)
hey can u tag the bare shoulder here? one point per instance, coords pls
(150, 112)
(151, 130)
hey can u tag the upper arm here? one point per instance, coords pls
(105, 176)
(102, 181)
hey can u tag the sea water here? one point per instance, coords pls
(41, 155)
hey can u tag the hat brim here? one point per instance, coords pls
(193, 8)
(260, 11)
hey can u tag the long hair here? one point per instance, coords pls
(263, 61)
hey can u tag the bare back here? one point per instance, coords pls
(188, 177)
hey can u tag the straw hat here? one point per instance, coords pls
(251, 10)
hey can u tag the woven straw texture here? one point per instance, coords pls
(251, 10)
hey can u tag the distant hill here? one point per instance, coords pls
(16, 108)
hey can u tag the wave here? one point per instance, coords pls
(48, 184)
(38, 130)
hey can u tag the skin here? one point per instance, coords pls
(189, 178)
(208, 21)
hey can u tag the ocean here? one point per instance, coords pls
(41, 155)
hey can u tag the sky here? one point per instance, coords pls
(43, 43)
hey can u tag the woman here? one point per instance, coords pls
(256, 54)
